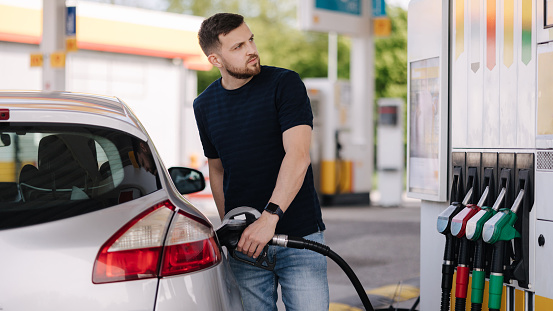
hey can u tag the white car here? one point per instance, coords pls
(91, 220)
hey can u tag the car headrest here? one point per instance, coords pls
(69, 157)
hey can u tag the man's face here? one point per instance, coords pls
(238, 54)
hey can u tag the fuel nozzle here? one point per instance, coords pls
(459, 221)
(229, 232)
(445, 218)
(500, 226)
(233, 224)
(473, 232)
(458, 227)
(497, 231)
(448, 266)
(475, 225)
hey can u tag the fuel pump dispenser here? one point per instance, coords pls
(389, 151)
(479, 85)
(341, 161)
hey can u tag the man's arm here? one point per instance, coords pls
(291, 175)
(216, 173)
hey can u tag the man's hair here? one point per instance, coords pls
(218, 24)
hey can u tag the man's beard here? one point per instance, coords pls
(244, 73)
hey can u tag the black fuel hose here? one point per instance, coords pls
(301, 243)
(496, 276)
(479, 265)
(448, 268)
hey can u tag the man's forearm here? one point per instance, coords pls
(294, 166)
(290, 179)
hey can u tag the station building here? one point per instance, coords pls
(148, 59)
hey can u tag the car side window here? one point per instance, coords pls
(57, 172)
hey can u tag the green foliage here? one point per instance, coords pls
(391, 58)
(279, 41)
(390, 64)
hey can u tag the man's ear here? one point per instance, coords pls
(214, 60)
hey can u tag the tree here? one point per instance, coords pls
(278, 40)
(391, 58)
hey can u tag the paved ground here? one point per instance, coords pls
(381, 245)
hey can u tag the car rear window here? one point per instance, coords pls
(51, 171)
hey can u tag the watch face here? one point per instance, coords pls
(272, 207)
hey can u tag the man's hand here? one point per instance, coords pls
(257, 235)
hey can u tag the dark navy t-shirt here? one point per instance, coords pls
(243, 128)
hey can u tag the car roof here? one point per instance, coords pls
(41, 106)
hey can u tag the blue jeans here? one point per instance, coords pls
(301, 274)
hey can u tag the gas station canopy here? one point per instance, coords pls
(116, 29)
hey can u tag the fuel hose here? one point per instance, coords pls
(462, 275)
(478, 275)
(496, 276)
(233, 225)
(448, 268)
(499, 230)
(301, 243)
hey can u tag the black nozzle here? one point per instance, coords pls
(229, 234)
(233, 225)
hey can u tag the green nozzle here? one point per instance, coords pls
(478, 284)
(496, 291)
(476, 223)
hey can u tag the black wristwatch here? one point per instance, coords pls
(274, 209)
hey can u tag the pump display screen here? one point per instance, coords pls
(387, 115)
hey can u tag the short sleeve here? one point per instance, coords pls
(209, 149)
(293, 105)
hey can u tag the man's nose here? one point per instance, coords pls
(252, 49)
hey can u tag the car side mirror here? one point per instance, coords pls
(5, 140)
(187, 180)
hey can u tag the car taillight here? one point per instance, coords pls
(136, 250)
(190, 246)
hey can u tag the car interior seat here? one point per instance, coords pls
(67, 169)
